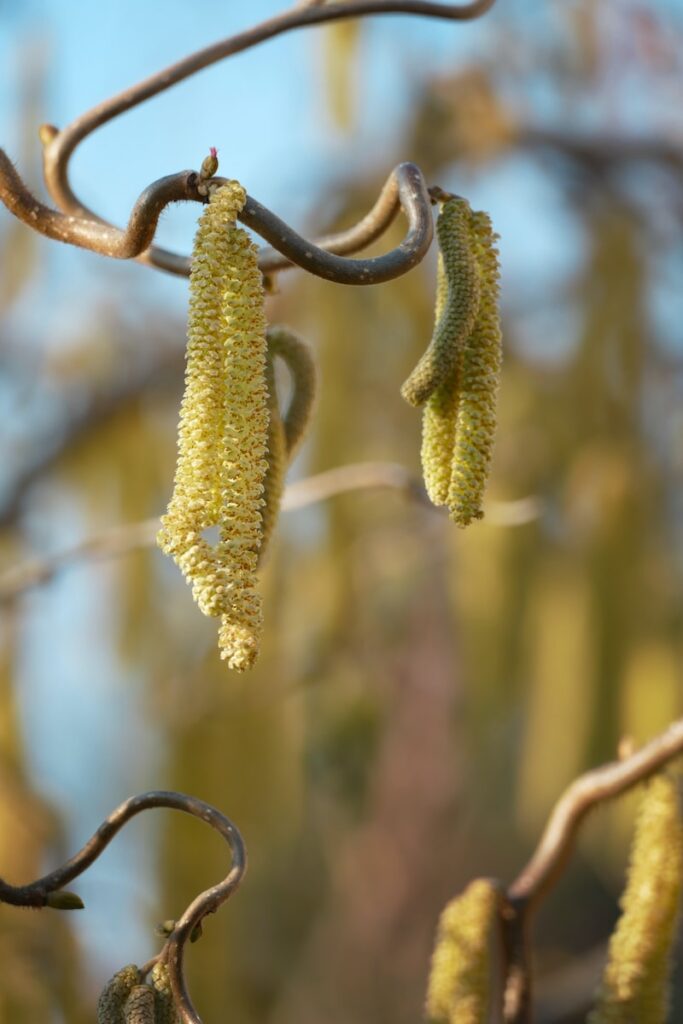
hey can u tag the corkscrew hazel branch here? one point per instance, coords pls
(78, 225)
(37, 893)
(405, 189)
(59, 146)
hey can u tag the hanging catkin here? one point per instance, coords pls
(164, 1004)
(460, 976)
(438, 418)
(110, 1006)
(457, 302)
(222, 436)
(635, 986)
(477, 379)
(459, 373)
(139, 1006)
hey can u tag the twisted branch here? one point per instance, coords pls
(404, 189)
(76, 224)
(37, 894)
(59, 146)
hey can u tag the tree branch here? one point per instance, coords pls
(36, 893)
(78, 225)
(405, 189)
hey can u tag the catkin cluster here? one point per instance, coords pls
(222, 437)
(635, 986)
(457, 378)
(460, 976)
(125, 999)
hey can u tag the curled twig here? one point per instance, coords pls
(78, 225)
(405, 188)
(59, 146)
(40, 893)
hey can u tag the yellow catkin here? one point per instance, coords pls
(285, 432)
(635, 986)
(478, 375)
(110, 1006)
(460, 976)
(139, 1008)
(457, 302)
(166, 1012)
(222, 435)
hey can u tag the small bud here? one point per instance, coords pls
(46, 133)
(62, 899)
(164, 928)
(209, 165)
(626, 747)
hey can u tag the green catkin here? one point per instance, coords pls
(478, 375)
(112, 1001)
(274, 482)
(460, 976)
(139, 1008)
(298, 358)
(222, 436)
(635, 985)
(457, 303)
(166, 1012)
(285, 432)
(438, 420)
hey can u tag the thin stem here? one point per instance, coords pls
(596, 786)
(59, 146)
